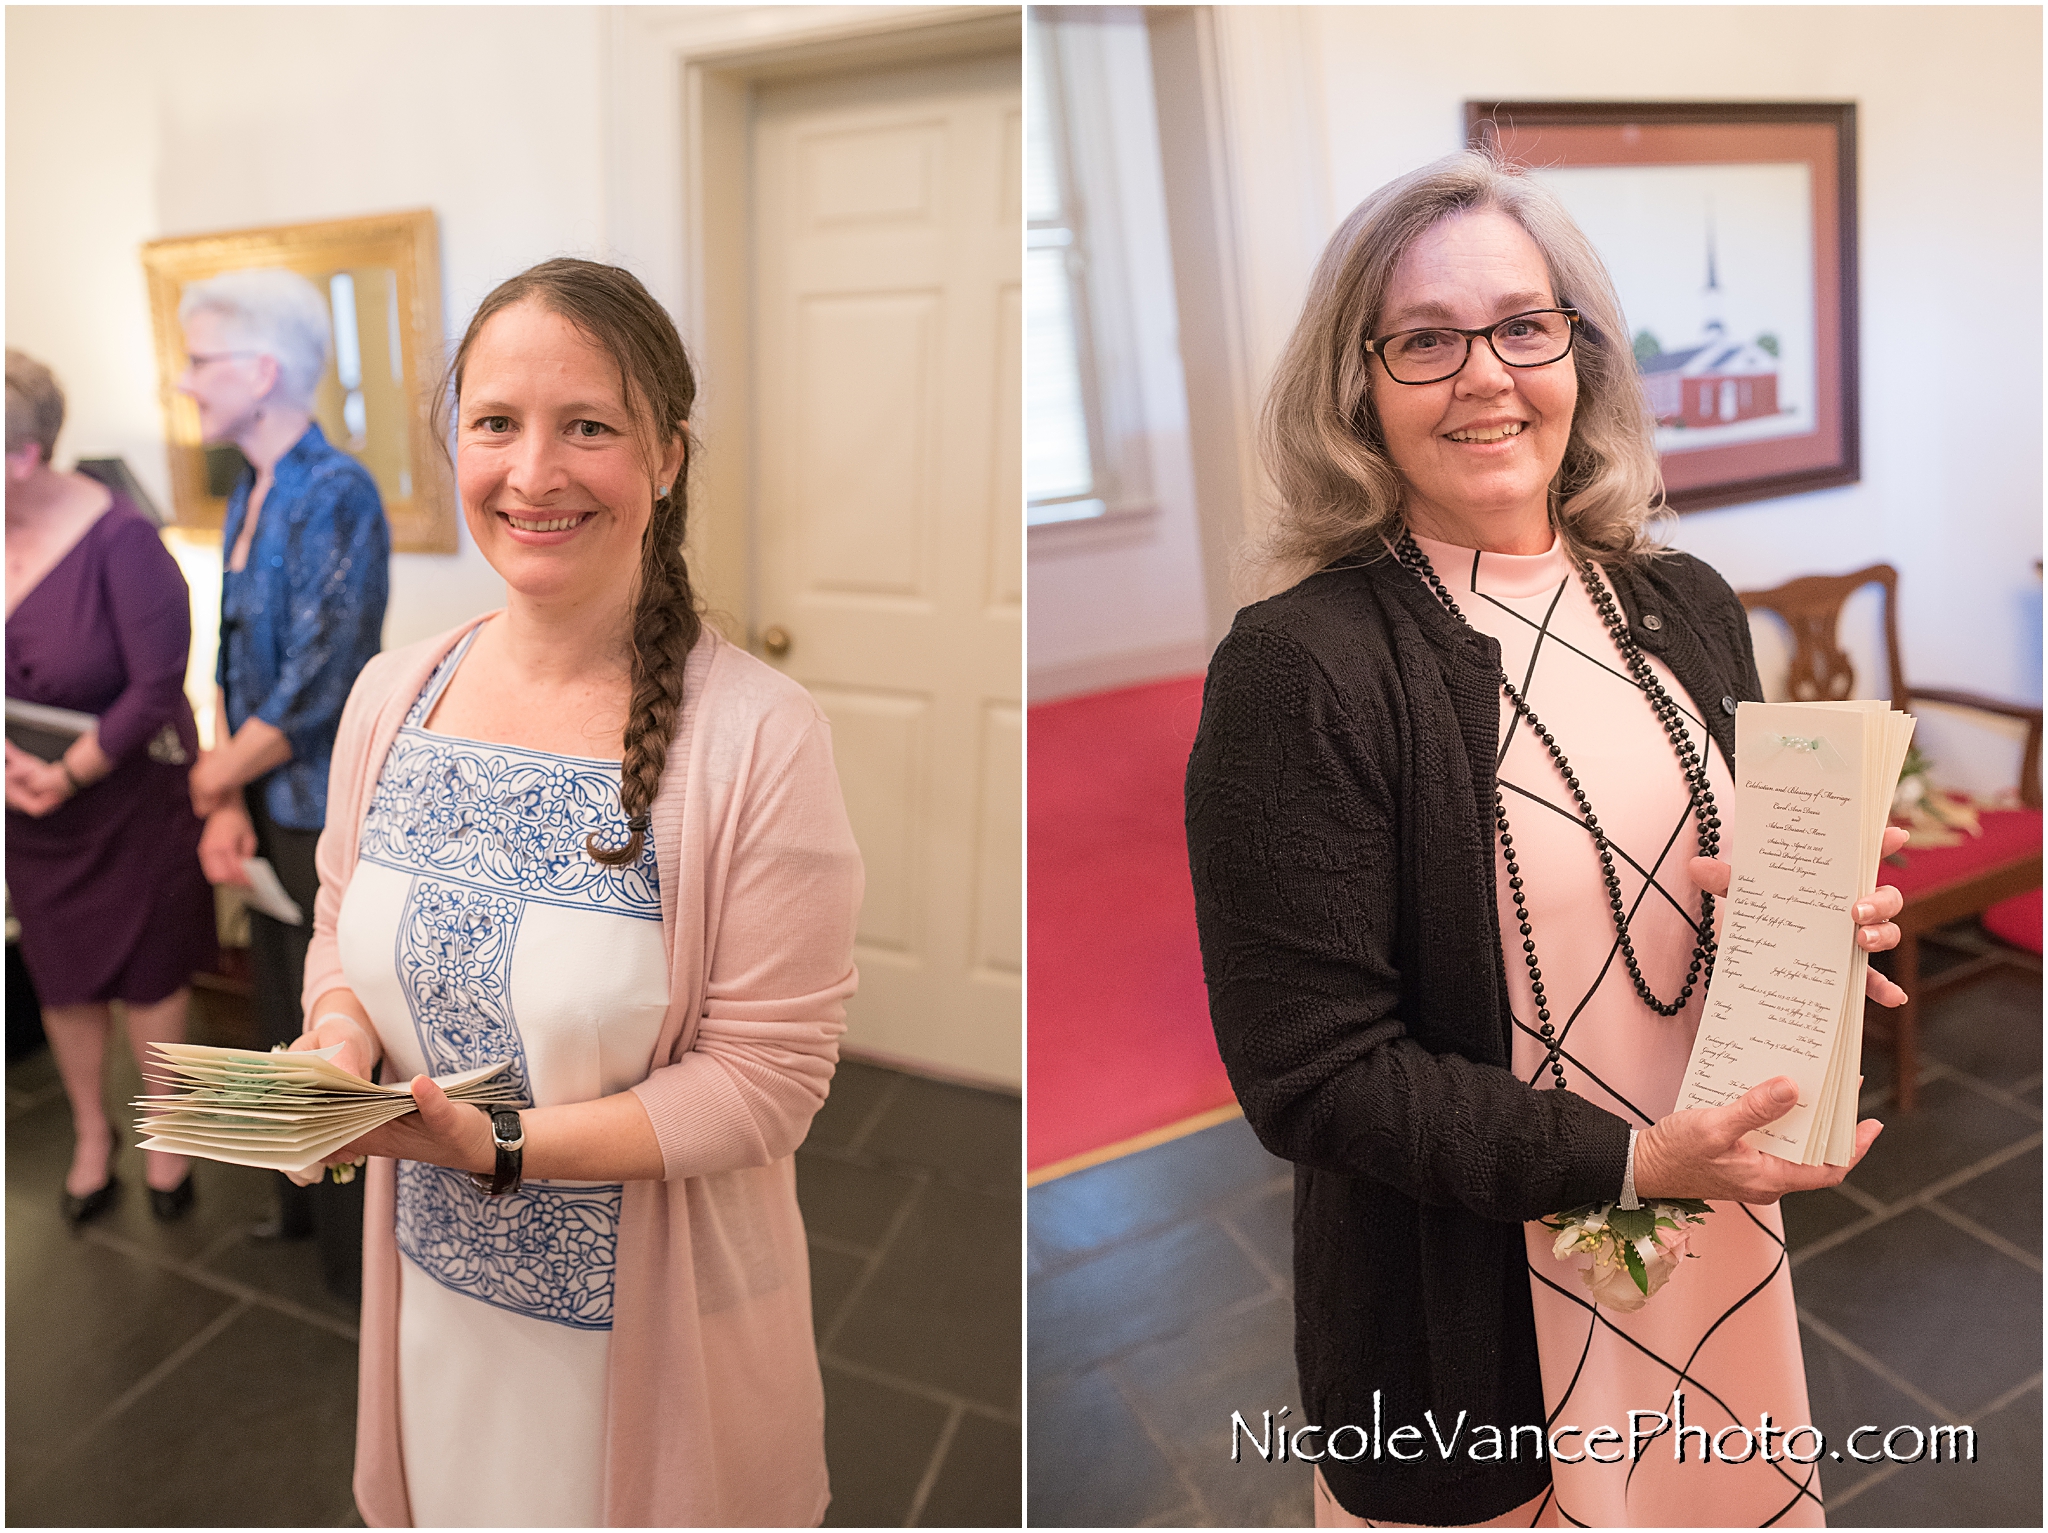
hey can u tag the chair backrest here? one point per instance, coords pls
(1811, 608)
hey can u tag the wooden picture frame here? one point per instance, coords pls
(386, 269)
(1754, 380)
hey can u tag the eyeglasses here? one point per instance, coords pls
(1536, 338)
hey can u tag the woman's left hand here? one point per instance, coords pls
(208, 784)
(34, 787)
(437, 1131)
(1875, 931)
(19, 761)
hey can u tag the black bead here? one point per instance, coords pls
(1671, 716)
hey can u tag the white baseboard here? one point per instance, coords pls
(1125, 668)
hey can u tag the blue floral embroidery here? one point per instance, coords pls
(543, 1251)
(416, 715)
(502, 818)
(510, 820)
(455, 966)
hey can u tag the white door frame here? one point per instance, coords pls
(677, 180)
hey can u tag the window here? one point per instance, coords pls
(1063, 481)
(1102, 368)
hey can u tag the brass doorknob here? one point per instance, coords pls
(776, 641)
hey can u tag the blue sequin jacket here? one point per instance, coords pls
(304, 614)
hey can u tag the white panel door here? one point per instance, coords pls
(888, 479)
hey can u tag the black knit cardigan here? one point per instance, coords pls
(1339, 817)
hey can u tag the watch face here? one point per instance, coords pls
(505, 1126)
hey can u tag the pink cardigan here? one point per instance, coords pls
(715, 1410)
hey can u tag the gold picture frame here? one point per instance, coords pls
(384, 272)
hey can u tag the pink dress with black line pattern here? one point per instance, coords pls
(1723, 1331)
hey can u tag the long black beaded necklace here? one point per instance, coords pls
(1705, 814)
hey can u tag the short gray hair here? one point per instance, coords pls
(35, 405)
(275, 312)
(1320, 436)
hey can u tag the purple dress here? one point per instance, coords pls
(108, 889)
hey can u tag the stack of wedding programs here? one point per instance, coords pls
(45, 733)
(284, 1111)
(1813, 790)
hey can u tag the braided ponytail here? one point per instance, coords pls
(665, 626)
(610, 307)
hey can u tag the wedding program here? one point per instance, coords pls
(1813, 790)
(285, 1111)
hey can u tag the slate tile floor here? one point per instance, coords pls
(1161, 1301)
(181, 1375)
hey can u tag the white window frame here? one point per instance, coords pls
(1078, 82)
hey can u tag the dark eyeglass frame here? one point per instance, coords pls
(1571, 340)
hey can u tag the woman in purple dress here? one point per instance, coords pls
(102, 844)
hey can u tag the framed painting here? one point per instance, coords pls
(381, 277)
(1730, 229)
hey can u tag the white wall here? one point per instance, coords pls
(127, 124)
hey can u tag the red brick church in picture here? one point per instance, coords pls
(1715, 383)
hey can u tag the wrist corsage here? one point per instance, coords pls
(1627, 1254)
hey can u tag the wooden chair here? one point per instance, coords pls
(1940, 884)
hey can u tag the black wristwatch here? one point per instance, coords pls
(510, 1140)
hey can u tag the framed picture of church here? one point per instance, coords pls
(1730, 229)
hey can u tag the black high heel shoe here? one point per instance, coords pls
(78, 1209)
(170, 1203)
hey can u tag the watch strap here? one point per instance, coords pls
(509, 1139)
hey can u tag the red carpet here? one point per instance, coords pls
(2017, 921)
(1119, 1028)
(2006, 833)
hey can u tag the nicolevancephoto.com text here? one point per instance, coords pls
(1276, 1442)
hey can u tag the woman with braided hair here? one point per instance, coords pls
(586, 835)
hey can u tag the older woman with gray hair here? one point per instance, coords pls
(1440, 816)
(306, 554)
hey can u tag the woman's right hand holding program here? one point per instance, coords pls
(1699, 1153)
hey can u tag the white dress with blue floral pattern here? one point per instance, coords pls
(477, 928)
